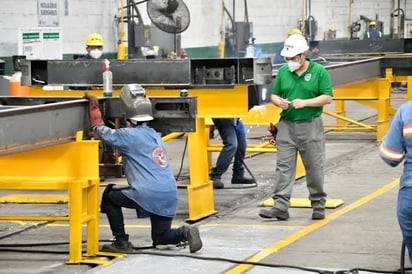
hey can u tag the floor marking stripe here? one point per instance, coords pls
(310, 228)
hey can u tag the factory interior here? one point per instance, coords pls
(197, 61)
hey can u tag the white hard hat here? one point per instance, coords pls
(294, 45)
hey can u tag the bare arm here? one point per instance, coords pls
(319, 101)
(279, 101)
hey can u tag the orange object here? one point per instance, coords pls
(15, 87)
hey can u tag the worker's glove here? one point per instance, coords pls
(94, 112)
(273, 129)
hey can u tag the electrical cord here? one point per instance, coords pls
(138, 250)
(178, 175)
(182, 160)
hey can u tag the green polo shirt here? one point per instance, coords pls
(313, 83)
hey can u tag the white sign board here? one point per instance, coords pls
(48, 13)
(40, 43)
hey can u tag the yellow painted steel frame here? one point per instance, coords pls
(232, 102)
(72, 166)
(400, 78)
(224, 102)
(373, 93)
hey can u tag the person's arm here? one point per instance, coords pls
(279, 101)
(95, 115)
(392, 150)
(319, 101)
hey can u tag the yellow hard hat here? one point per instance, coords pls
(94, 39)
(372, 23)
(294, 31)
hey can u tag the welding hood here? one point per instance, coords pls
(134, 104)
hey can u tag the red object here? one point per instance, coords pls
(105, 64)
(94, 111)
(95, 117)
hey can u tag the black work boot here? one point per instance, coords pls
(318, 214)
(274, 213)
(243, 180)
(119, 245)
(217, 184)
(192, 236)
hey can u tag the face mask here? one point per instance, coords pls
(293, 65)
(95, 53)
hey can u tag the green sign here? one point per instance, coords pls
(51, 35)
(31, 35)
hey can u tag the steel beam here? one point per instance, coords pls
(365, 47)
(28, 123)
(46, 122)
(351, 72)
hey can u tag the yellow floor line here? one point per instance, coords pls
(310, 228)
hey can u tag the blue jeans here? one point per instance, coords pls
(161, 231)
(404, 212)
(233, 134)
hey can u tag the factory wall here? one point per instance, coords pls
(271, 19)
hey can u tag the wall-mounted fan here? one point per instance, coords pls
(171, 16)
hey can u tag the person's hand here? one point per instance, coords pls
(93, 101)
(283, 103)
(298, 103)
(94, 112)
(272, 142)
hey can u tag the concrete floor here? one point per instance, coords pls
(361, 234)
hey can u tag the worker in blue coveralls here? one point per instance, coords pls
(152, 189)
(396, 148)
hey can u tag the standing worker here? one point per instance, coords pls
(395, 148)
(152, 189)
(301, 89)
(372, 33)
(94, 47)
(233, 134)
(279, 59)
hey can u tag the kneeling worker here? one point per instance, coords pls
(152, 188)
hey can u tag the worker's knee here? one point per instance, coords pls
(105, 199)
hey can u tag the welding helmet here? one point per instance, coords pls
(294, 45)
(294, 31)
(372, 24)
(94, 39)
(134, 104)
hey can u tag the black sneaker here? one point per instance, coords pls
(217, 184)
(119, 245)
(192, 236)
(318, 214)
(243, 180)
(274, 213)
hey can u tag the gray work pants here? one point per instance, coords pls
(308, 138)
